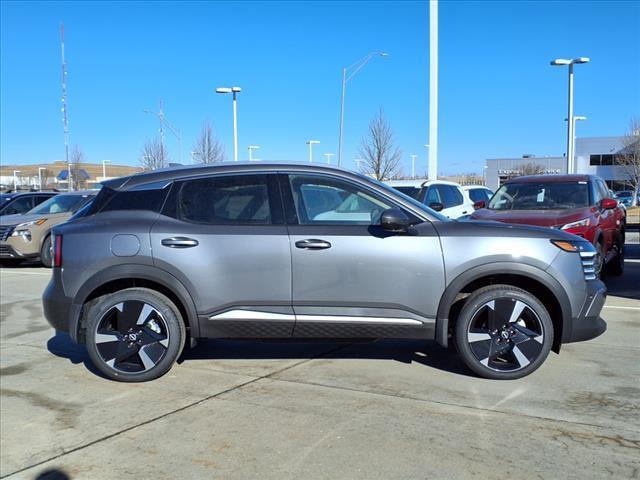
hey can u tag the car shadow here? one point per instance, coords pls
(423, 352)
(626, 286)
(62, 346)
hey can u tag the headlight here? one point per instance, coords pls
(585, 222)
(25, 225)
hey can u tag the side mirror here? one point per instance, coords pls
(608, 203)
(479, 204)
(395, 220)
(437, 206)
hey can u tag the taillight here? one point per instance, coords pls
(57, 250)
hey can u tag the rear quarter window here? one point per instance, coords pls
(112, 200)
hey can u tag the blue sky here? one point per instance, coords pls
(498, 95)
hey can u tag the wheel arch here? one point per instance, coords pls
(537, 281)
(120, 277)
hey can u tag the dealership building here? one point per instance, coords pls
(594, 155)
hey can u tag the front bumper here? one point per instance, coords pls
(588, 324)
(17, 247)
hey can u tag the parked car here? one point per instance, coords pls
(238, 250)
(625, 197)
(27, 236)
(408, 187)
(578, 204)
(477, 193)
(442, 196)
(16, 203)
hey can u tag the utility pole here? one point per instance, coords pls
(432, 173)
(65, 122)
(164, 122)
(413, 165)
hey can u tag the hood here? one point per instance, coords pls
(541, 218)
(29, 217)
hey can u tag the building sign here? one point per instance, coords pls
(516, 172)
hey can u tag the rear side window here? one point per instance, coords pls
(227, 200)
(110, 200)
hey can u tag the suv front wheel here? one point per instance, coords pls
(133, 335)
(503, 332)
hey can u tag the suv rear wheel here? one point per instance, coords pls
(134, 335)
(503, 332)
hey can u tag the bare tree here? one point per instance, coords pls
(208, 149)
(629, 157)
(78, 175)
(154, 155)
(381, 158)
(531, 169)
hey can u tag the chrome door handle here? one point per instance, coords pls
(179, 242)
(313, 244)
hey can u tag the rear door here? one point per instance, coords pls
(350, 277)
(224, 238)
(453, 200)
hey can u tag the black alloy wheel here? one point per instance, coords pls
(134, 335)
(503, 332)
(45, 253)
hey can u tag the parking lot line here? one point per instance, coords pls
(622, 308)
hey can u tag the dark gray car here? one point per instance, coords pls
(300, 251)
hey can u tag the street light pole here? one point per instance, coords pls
(251, 148)
(358, 162)
(413, 166)
(15, 179)
(311, 143)
(328, 155)
(345, 79)
(235, 91)
(104, 168)
(40, 169)
(571, 123)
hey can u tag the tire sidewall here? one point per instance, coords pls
(170, 314)
(45, 252)
(480, 298)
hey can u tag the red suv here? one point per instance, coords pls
(578, 204)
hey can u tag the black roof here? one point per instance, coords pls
(167, 175)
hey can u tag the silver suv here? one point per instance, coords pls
(300, 251)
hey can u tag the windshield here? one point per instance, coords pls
(541, 196)
(412, 201)
(60, 204)
(623, 194)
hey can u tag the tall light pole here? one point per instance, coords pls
(426, 145)
(251, 148)
(413, 165)
(311, 143)
(328, 156)
(40, 169)
(104, 168)
(358, 161)
(346, 76)
(15, 179)
(561, 62)
(235, 91)
(432, 173)
(576, 118)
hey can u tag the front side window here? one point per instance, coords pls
(450, 195)
(19, 205)
(225, 200)
(541, 196)
(326, 201)
(479, 194)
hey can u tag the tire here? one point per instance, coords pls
(492, 351)
(134, 335)
(45, 253)
(616, 266)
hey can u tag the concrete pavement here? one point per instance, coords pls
(267, 410)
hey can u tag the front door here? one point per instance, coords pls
(224, 238)
(349, 276)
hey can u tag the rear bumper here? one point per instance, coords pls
(56, 305)
(588, 324)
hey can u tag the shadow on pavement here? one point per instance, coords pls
(62, 346)
(424, 352)
(627, 285)
(53, 474)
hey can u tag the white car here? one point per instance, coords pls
(477, 193)
(445, 197)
